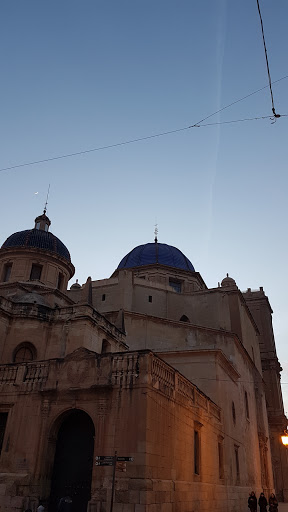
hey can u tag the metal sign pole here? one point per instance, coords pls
(113, 480)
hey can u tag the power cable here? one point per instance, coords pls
(132, 141)
(267, 63)
(237, 121)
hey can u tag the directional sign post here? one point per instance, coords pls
(111, 460)
(113, 481)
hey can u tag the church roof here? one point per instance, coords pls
(38, 239)
(153, 253)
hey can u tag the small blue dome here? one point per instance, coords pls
(38, 239)
(153, 253)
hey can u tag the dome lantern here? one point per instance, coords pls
(228, 282)
(42, 222)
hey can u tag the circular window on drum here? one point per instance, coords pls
(24, 353)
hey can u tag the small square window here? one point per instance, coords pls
(176, 285)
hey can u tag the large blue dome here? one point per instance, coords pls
(38, 239)
(153, 253)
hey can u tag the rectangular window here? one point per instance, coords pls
(150, 298)
(246, 405)
(60, 281)
(7, 272)
(220, 460)
(3, 421)
(36, 271)
(196, 452)
(176, 285)
(237, 462)
(103, 297)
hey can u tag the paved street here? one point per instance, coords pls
(283, 507)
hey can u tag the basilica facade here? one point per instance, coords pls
(149, 366)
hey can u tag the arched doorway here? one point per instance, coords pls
(73, 462)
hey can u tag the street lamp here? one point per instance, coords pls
(284, 439)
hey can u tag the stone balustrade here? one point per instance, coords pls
(123, 370)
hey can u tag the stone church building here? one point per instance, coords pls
(148, 363)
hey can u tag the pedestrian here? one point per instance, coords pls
(65, 504)
(40, 507)
(273, 503)
(262, 502)
(252, 502)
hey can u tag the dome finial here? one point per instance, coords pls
(156, 233)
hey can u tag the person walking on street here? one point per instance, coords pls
(262, 502)
(252, 502)
(273, 503)
(65, 504)
(41, 507)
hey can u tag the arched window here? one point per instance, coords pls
(184, 318)
(106, 347)
(24, 353)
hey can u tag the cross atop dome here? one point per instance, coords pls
(156, 233)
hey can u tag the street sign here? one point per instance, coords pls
(112, 458)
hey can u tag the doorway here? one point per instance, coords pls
(73, 462)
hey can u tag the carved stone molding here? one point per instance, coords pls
(45, 408)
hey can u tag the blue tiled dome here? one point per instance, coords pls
(149, 254)
(38, 239)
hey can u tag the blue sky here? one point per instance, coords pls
(80, 75)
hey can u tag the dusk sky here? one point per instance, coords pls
(82, 75)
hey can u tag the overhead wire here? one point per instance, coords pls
(237, 121)
(156, 135)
